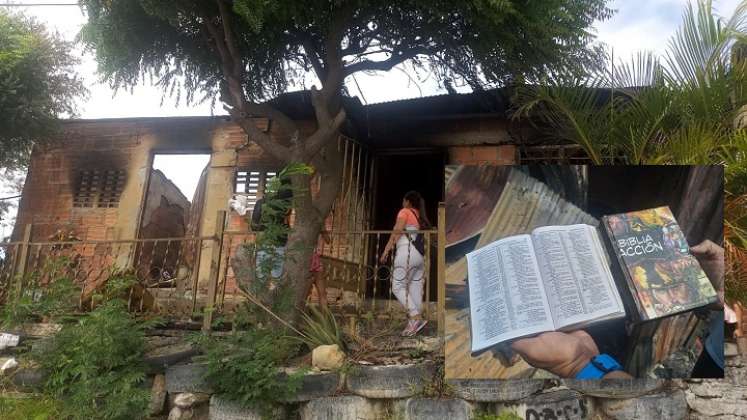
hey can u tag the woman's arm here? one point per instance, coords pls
(398, 228)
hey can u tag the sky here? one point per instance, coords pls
(637, 25)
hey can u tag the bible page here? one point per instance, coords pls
(506, 295)
(577, 278)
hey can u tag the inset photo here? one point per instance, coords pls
(584, 272)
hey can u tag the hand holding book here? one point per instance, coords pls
(711, 259)
(564, 354)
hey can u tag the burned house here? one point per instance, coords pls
(95, 183)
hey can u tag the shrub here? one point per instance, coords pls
(51, 301)
(96, 365)
(245, 367)
(504, 415)
(34, 408)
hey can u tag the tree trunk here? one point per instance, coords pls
(310, 214)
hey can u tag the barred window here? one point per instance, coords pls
(99, 188)
(252, 184)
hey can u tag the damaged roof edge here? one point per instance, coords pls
(297, 105)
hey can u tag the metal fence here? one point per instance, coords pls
(163, 269)
(182, 277)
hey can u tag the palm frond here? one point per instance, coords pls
(569, 112)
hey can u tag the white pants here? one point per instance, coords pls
(407, 277)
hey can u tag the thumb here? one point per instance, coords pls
(522, 345)
(704, 248)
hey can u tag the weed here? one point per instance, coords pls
(95, 365)
(33, 408)
(503, 415)
(320, 327)
(245, 367)
(33, 301)
(436, 387)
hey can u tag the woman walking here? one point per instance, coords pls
(407, 273)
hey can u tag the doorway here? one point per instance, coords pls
(398, 172)
(172, 208)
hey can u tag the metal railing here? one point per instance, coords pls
(162, 268)
(187, 277)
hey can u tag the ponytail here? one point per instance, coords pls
(416, 200)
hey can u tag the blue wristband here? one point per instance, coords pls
(599, 366)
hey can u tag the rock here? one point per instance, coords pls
(434, 408)
(396, 381)
(187, 378)
(564, 404)
(349, 298)
(8, 340)
(171, 354)
(735, 371)
(7, 364)
(157, 395)
(154, 342)
(29, 378)
(343, 407)
(718, 398)
(424, 344)
(221, 409)
(615, 388)
(730, 350)
(39, 330)
(666, 405)
(42, 345)
(317, 385)
(177, 413)
(190, 399)
(327, 357)
(491, 390)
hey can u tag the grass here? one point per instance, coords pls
(31, 408)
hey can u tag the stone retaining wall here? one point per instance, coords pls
(406, 392)
(401, 393)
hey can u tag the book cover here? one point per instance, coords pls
(653, 253)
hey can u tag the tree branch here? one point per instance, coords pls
(313, 56)
(229, 36)
(327, 128)
(256, 135)
(329, 166)
(287, 124)
(240, 108)
(235, 90)
(397, 57)
(356, 47)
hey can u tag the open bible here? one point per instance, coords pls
(556, 278)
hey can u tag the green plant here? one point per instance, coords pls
(30, 300)
(38, 85)
(349, 367)
(503, 415)
(679, 109)
(320, 327)
(245, 367)
(275, 293)
(436, 387)
(95, 365)
(37, 407)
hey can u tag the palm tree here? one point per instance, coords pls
(675, 109)
(687, 107)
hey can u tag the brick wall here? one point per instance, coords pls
(47, 200)
(476, 155)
